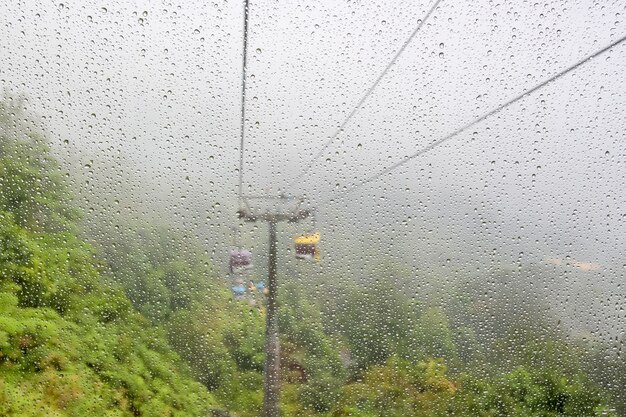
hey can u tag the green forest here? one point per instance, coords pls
(127, 317)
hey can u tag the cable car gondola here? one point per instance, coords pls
(260, 286)
(306, 247)
(239, 292)
(240, 260)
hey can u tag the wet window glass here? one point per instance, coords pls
(312, 209)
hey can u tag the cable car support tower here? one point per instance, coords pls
(278, 211)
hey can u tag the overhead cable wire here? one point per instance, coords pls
(243, 99)
(363, 98)
(476, 121)
(244, 68)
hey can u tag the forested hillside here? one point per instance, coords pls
(126, 317)
(71, 343)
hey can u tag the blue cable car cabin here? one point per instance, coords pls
(239, 292)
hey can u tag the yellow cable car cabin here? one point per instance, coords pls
(306, 247)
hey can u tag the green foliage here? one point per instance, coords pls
(223, 343)
(31, 182)
(310, 358)
(612, 370)
(160, 269)
(379, 321)
(530, 392)
(93, 361)
(399, 388)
